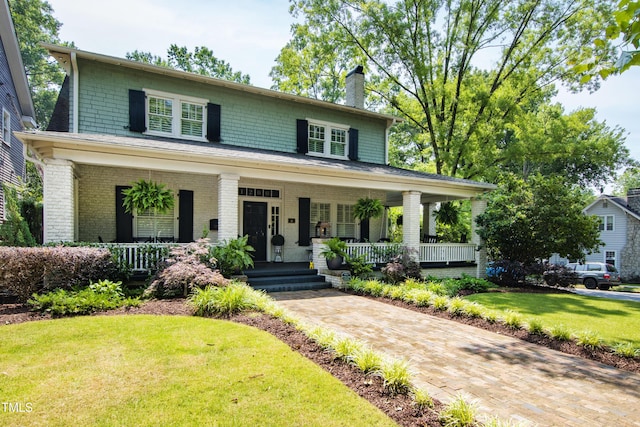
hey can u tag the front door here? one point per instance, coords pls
(255, 226)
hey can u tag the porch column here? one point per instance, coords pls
(478, 206)
(59, 201)
(411, 220)
(428, 220)
(227, 206)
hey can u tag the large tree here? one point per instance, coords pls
(34, 23)
(200, 61)
(527, 221)
(459, 71)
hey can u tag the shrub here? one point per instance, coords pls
(472, 309)
(589, 340)
(102, 295)
(367, 360)
(396, 376)
(559, 332)
(456, 306)
(513, 319)
(322, 336)
(506, 273)
(458, 413)
(422, 400)
(536, 327)
(183, 271)
(401, 267)
(440, 302)
(359, 267)
(419, 297)
(346, 347)
(223, 301)
(373, 288)
(25, 271)
(626, 349)
(232, 256)
(437, 288)
(467, 284)
(559, 275)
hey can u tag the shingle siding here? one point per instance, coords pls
(248, 120)
(12, 164)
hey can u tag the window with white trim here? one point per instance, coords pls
(610, 257)
(6, 127)
(606, 223)
(345, 222)
(328, 139)
(175, 116)
(164, 225)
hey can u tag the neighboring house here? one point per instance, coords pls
(16, 105)
(619, 231)
(241, 160)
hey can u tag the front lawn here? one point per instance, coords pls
(614, 320)
(165, 370)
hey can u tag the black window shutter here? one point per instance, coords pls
(353, 144)
(303, 136)
(185, 216)
(213, 122)
(304, 219)
(124, 220)
(137, 111)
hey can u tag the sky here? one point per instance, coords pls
(248, 34)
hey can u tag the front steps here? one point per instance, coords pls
(274, 277)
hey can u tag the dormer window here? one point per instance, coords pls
(318, 138)
(175, 116)
(329, 140)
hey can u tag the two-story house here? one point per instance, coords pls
(16, 105)
(241, 160)
(619, 232)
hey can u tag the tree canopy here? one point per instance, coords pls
(528, 221)
(34, 24)
(200, 61)
(465, 74)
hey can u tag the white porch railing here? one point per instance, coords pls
(140, 256)
(429, 252)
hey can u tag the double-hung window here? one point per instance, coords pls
(328, 139)
(176, 116)
(320, 214)
(345, 222)
(606, 223)
(6, 127)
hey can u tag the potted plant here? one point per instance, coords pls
(334, 252)
(365, 209)
(232, 257)
(148, 196)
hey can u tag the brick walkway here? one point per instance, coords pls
(509, 378)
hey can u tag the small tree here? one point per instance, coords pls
(148, 196)
(14, 231)
(527, 221)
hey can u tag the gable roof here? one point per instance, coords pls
(16, 66)
(65, 55)
(617, 201)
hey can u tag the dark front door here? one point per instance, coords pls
(255, 226)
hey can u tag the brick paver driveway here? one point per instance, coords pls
(507, 377)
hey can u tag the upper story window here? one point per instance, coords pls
(606, 223)
(330, 140)
(6, 127)
(175, 115)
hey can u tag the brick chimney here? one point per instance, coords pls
(355, 88)
(633, 199)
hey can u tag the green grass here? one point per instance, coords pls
(166, 370)
(613, 320)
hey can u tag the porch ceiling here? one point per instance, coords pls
(214, 159)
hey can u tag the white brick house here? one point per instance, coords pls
(241, 160)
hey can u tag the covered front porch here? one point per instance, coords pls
(224, 192)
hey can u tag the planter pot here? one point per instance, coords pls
(335, 263)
